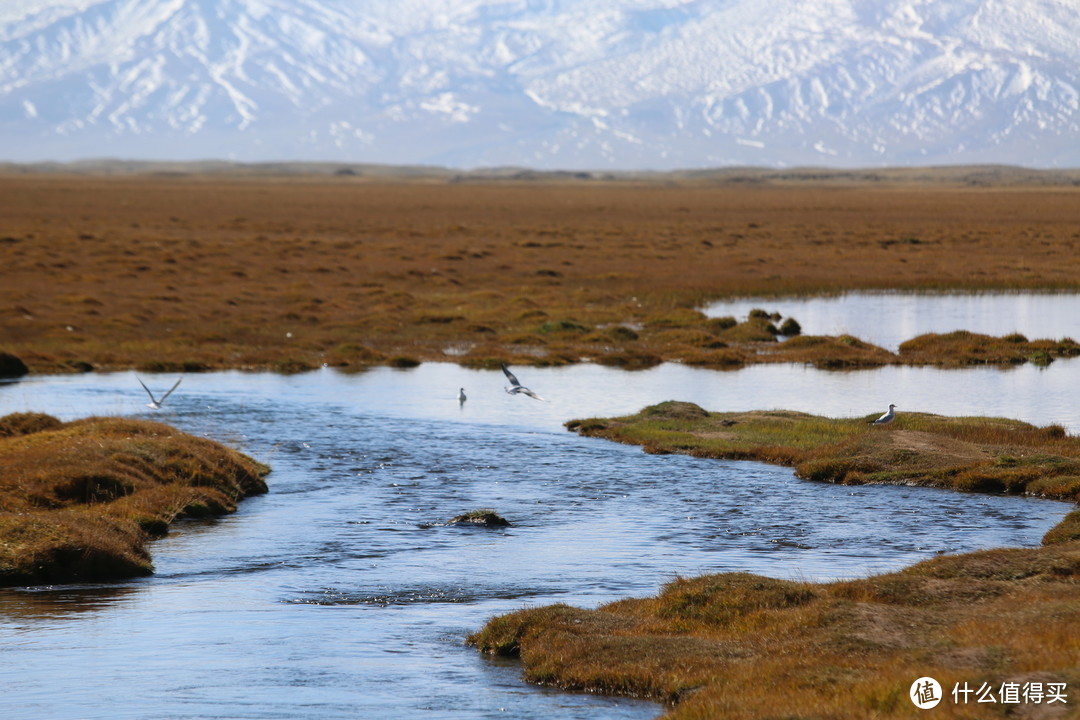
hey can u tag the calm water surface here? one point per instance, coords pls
(889, 318)
(340, 594)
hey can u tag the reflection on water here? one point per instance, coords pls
(889, 318)
(53, 603)
(341, 593)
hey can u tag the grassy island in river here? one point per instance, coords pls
(78, 500)
(974, 453)
(738, 645)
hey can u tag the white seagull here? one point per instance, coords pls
(518, 387)
(461, 396)
(154, 402)
(887, 417)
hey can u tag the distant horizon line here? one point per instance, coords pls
(219, 166)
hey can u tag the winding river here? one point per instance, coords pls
(342, 593)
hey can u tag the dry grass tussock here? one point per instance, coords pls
(78, 500)
(967, 348)
(190, 273)
(744, 646)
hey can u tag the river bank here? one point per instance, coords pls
(746, 646)
(79, 500)
(978, 454)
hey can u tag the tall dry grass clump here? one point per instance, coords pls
(831, 353)
(744, 646)
(967, 348)
(78, 500)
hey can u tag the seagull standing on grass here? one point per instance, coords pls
(518, 387)
(154, 403)
(887, 417)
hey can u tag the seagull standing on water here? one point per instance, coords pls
(887, 417)
(154, 403)
(518, 387)
(461, 396)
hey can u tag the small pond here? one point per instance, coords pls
(889, 318)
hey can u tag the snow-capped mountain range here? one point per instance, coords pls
(596, 84)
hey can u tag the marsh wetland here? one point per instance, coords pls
(345, 592)
(178, 272)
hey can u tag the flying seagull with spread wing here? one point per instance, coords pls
(156, 403)
(517, 386)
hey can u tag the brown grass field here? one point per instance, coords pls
(174, 271)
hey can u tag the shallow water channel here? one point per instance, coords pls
(340, 595)
(887, 319)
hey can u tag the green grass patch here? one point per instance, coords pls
(563, 326)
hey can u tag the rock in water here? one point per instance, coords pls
(480, 518)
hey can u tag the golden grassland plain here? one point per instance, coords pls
(179, 272)
(78, 500)
(738, 645)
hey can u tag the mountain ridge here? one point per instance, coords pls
(603, 85)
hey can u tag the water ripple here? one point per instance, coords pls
(424, 594)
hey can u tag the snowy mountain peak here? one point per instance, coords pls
(544, 83)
